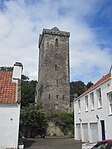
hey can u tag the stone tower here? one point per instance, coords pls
(53, 74)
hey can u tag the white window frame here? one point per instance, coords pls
(79, 106)
(92, 100)
(86, 103)
(99, 97)
(109, 95)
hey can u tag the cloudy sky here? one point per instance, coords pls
(88, 21)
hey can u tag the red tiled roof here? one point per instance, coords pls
(103, 79)
(7, 88)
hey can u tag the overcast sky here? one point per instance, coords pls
(88, 21)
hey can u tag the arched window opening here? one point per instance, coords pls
(55, 66)
(49, 96)
(57, 96)
(56, 43)
(57, 82)
(63, 97)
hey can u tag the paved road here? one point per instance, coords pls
(52, 143)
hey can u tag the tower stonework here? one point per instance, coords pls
(53, 71)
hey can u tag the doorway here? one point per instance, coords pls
(103, 129)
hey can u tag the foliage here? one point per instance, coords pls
(32, 121)
(89, 84)
(77, 87)
(6, 68)
(24, 78)
(28, 89)
(64, 120)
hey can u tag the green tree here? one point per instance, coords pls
(28, 89)
(6, 68)
(89, 84)
(32, 121)
(77, 87)
(24, 78)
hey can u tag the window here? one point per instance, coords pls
(56, 107)
(57, 82)
(110, 102)
(55, 66)
(63, 97)
(79, 106)
(86, 102)
(49, 96)
(57, 96)
(92, 100)
(56, 43)
(99, 98)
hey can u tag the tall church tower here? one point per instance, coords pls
(53, 73)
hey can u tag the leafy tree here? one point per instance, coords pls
(89, 84)
(32, 121)
(6, 68)
(24, 78)
(28, 89)
(77, 87)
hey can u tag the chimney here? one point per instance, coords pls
(17, 70)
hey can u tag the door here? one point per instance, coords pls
(94, 132)
(78, 132)
(85, 132)
(103, 129)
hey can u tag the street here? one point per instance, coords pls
(52, 143)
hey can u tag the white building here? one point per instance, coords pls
(10, 97)
(93, 112)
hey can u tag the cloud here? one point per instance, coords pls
(21, 22)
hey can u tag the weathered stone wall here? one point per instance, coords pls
(54, 130)
(53, 81)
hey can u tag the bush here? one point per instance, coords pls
(32, 121)
(64, 120)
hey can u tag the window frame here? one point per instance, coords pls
(92, 100)
(86, 103)
(79, 106)
(109, 96)
(99, 97)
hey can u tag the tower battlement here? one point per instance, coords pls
(53, 31)
(56, 31)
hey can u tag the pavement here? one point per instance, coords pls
(52, 143)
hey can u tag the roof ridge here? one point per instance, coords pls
(100, 81)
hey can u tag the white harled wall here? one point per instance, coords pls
(91, 116)
(9, 125)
